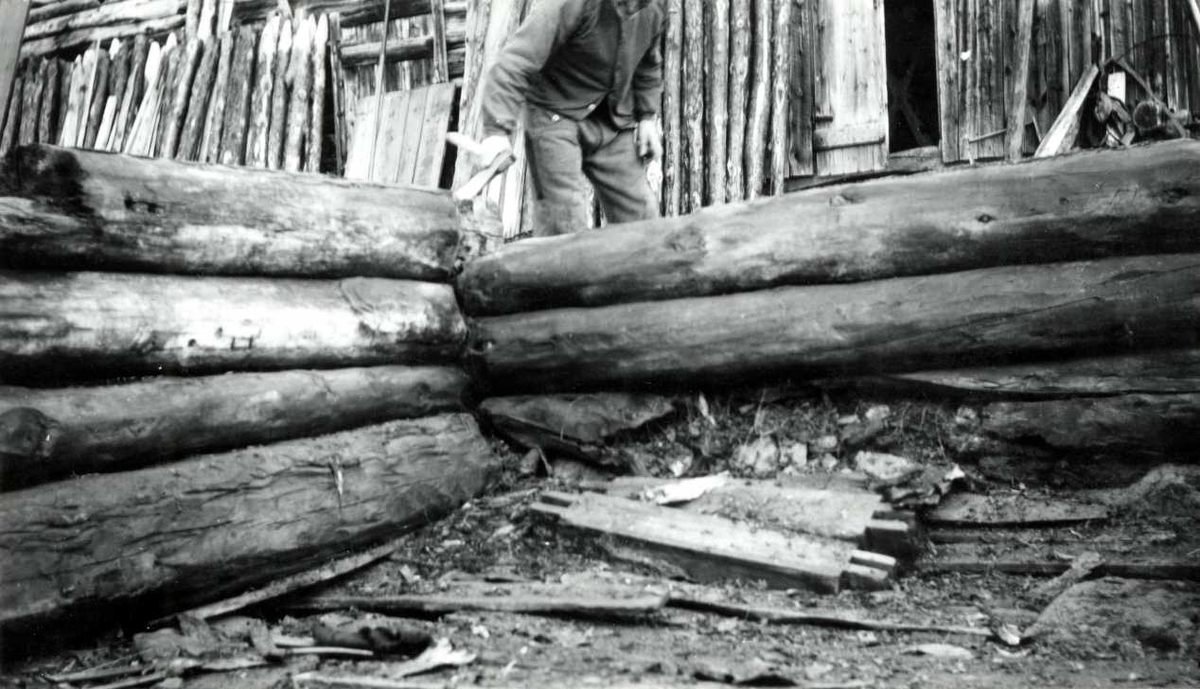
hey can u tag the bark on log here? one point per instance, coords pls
(760, 100)
(260, 104)
(237, 103)
(1087, 205)
(1127, 427)
(81, 209)
(210, 144)
(80, 37)
(197, 109)
(196, 531)
(693, 104)
(107, 324)
(717, 97)
(37, 15)
(121, 427)
(673, 170)
(279, 98)
(1165, 371)
(739, 72)
(403, 49)
(107, 14)
(316, 121)
(901, 324)
(300, 77)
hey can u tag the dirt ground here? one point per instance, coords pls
(1102, 632)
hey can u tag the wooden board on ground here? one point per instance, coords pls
(202, 529)
(713, 548)
(81, 430)
(1012, 510)
(411, 146)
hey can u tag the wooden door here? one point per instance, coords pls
(850, 87)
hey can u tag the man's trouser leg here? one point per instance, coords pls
(612, 163)
(556, 167)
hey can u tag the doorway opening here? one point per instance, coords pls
(911, 74)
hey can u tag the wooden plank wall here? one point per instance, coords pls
(976, 51)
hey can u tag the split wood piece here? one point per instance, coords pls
(716, 96)
(1184, 570)
(760, 100)
(118, 81)
(98, 98)
(237, 100)
(129, 324)
(672, 111)
(66, 68)
(183, 88)
(206, 22)
(713, 548)
(1166, 371)
(140, 141)
(1130, 427)
(260, 102)
(103, 15)
(1019, 100)
(739, 74)
(277, 129)
(781, 70)
(31, 92)
(214, 120)
(315, 136)
(971, 509)
(526, 598)
(191, 23)
(693, 106)
(832, 618)
(218, 222)
(1052, 210)
(404, 49)
(1065, 129)
(70, 103)
(435, 123)
(198, 530)
(141, 53)
(338, 95)
(13, 17)
(440, 60)
(890, 325)
(48, 105)
(131, 99)
(12, 122)
(300, 77)
(294, 583)
(170, 82)
(120, 427)
(87, 87)
(80, 37)
(197, 108)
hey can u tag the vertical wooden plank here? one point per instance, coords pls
(259, 123)
(188, 64)
(717, 97)
(117, 83)
(197, 109)
(1020, 82)
(214, 119)
(947, 56)
(440, 61)
(758, 121)
(48, 107)
(432, 153)
(99, 94)
(276, 133)
(174, 72)
(410, 140)
(392, 114)
(30, 100)
(739, 71)
(206, 21)
(693, 102)
(13, 14)
(12, 121)
(672, 110)
(800, 129)
(65, 71)
(237, 102)
(316, 120)
(300, 68)
(780, 82)
(337, 87)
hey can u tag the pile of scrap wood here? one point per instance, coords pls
(1088, 257)
(218, 391)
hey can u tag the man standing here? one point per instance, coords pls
(587, 77)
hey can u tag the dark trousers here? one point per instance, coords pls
(564, 155)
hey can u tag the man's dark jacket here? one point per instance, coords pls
(574, 56)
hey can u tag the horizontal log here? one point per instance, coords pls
(64, 208)
(1088, 205)
(419, 48)
(119, 427)
(58, 9)
(100, 34)
(1176, 370)
(353, 12)
(198, 530)
(84, 325)
(1128, 427)
(108, 14)
(901, 324)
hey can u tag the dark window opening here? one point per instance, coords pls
(911, 74)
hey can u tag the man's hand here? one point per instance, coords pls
(491, 149)
(649, 140)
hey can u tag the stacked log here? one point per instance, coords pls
(1089, 255)
(294, 343)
